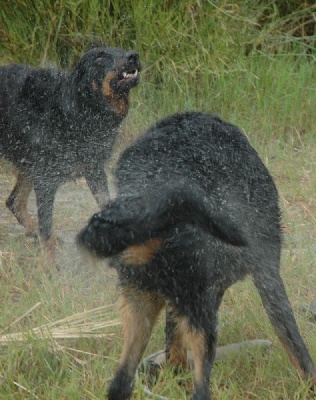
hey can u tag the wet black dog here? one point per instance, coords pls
(55, 125)
(196, 211)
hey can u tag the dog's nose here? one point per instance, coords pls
(132, 57)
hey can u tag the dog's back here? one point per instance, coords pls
(214, 160)
(213, 155)
(27, 99)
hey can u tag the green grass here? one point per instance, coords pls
(194, 58)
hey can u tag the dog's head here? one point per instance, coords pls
(115, 228)
(107, 73)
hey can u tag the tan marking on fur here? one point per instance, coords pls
(141, 254)
(178, 347)
(106, 88)
(139, 311)
(120, 103)
(178, 351)
(196, 340)
(50, 249)
(293, 360)
(20, 212)
(47, 257)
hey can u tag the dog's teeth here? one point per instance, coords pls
(126, 75)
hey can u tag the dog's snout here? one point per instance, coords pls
(132, 57)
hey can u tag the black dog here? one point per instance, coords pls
(56, 125)
(196, 211)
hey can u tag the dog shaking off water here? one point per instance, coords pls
(55, 125)
(196, 211)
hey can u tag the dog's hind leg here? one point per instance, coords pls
(176, 348)
(280, 313)
(17, 203)
(139, 312)
(199, 331)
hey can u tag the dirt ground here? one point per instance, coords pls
(74, 205)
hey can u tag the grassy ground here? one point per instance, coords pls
(193, 59)
(82, 368)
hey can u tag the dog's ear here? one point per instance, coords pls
(89, 62)
(80, 72)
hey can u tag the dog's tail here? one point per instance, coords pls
(186, 205)
(122, 224)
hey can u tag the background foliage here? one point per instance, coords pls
(206, 54)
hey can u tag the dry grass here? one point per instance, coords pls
(87, 324)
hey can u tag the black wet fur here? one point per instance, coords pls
(57, 125)
(194, 182)
(116, 227)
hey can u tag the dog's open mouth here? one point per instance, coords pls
(128, 79)
(125, 74)
(128, 75)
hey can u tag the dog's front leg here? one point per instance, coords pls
(97, 182)
(45, 190)
(17, 203)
